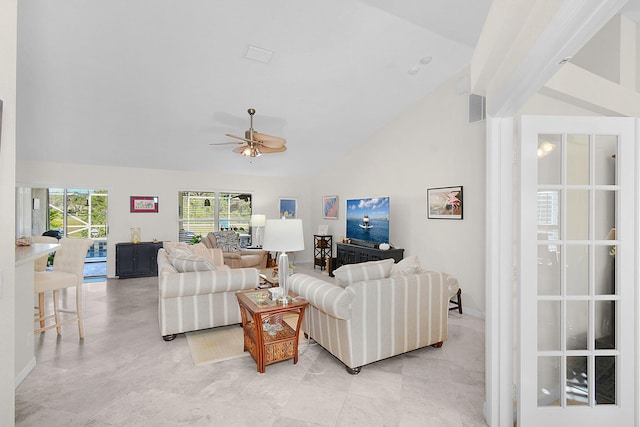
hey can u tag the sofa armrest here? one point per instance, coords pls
(325, 296)
(208, 282)
(232, 255)
(450, 282)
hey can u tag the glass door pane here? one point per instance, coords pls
(574, 212)
(577, 290)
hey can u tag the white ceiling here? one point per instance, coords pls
(150, 83)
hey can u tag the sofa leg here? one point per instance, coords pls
(437, 345)
(169, 337)
(354, 371)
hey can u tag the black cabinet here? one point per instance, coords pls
(353, 254)
(322, 249)
(137, 259)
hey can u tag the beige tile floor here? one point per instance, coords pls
(124, 374)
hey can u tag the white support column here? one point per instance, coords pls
(499, 325)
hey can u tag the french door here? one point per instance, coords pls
(577, 294)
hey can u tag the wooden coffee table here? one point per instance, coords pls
(267, 337)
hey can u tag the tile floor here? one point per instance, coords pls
(124, 374)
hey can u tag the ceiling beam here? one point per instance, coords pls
(524, 42)
(580, 87)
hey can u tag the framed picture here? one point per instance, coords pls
(323, 229)
(444, 203)
(288, 208)
(330, 207)
(144, 204)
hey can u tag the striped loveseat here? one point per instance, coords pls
(370, 314)
(201, 299)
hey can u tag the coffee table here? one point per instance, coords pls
(267, 337)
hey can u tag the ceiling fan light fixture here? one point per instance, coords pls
(254, 141)
(249, 151)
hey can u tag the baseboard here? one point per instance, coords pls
(25, 371)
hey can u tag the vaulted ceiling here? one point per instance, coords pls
(151, 83)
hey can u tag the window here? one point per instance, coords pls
(200, 213)
(78, 212)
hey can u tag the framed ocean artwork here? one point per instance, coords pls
(288, 208)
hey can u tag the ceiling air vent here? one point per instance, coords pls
(476, 108)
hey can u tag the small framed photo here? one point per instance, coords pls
(288, 208)
(444, 203)
(323, 229)
(330, 207)
(144, 204)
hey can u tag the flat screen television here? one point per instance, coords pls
(368, 220)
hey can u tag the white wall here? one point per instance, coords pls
(125, 182)
(430, 145)
(601, 55)
(8, 36)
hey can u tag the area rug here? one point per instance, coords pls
(221, 343)
(216, 345)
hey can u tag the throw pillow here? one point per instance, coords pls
(200, 250)
(227, 241)
(406, 266)
(351, 273)
(189, 263)
(210, 241)
(170, 246)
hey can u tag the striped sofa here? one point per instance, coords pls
(373, 319)
(195, 300)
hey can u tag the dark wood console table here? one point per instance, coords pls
(352, 254)
(137, 259)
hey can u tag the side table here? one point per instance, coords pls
(267, 337)
(322, 249)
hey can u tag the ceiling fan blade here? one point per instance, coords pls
(267, 150)
(225, 143)
(238, 137)
(268, 140)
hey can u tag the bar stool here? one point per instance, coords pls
(40, 264)
(68, 271)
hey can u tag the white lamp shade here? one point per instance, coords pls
(258, 220)
(283, 235)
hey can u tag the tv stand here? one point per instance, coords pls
(364, 243)
(353, 254)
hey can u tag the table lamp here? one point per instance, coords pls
(283, 235)
(258, 221)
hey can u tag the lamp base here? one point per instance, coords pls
(283, 276)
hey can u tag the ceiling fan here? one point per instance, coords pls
(254, 143)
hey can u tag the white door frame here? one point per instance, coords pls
(499, 273)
